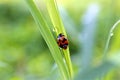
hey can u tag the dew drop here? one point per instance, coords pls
(111, 34)
(54, 30)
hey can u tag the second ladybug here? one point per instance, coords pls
(62, 41)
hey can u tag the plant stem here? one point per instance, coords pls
(108, 40)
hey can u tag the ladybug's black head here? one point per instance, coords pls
(61, 35)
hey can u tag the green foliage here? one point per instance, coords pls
(28, 52)
(58, 25)
(49, 38)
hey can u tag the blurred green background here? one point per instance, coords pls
(24, 54)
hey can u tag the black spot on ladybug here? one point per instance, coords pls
(62, 41)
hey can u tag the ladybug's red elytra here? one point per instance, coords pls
(62, 41)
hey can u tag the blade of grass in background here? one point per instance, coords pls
(88, 34)
(48, 36)
(109, 38)
(58, 26)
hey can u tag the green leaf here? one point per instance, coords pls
(49, 38)
(109, 38)
(58, 26)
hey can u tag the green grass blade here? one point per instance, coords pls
(58, 25)
(55, 18)
(48, 36)
(109, 38)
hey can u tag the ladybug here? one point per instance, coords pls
(62, 41)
